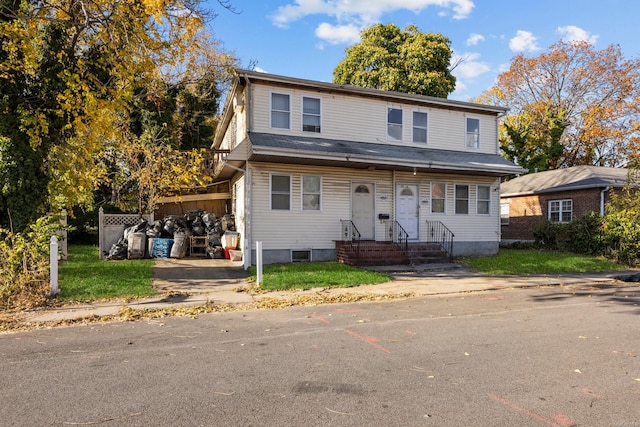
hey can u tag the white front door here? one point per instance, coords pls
(362, 209)
(407, 209)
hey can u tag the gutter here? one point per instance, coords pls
(602, 192)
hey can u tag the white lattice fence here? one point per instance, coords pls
(111, 228)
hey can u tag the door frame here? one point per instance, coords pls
(352, 188)
(417, 205)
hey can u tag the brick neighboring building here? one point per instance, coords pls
(560, 195)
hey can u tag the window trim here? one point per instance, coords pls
(444, 207)
(303, 114)
(271, 109)
(401, 124)
(560, 210)
(271, 175)
(478, 200)
(505, 218)
(302, 193)
(455, 199)
(413, 127)
(476, 144)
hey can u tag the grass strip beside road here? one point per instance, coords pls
(306, 275)
(85, 277)
(534, 261)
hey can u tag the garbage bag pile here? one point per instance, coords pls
(170, 237)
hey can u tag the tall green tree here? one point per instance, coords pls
(408, 61)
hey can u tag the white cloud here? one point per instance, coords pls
(571, 33)
(336, 34)
(259, 70)
(524, 41)
(468, 66)
(363, 12)
(474, 39)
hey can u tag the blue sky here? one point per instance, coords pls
(307, 38)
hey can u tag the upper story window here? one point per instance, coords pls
(280, 111)
(438, 197)
(311, 192)
(310, 114)
(560, 210)
(483, 199)
(281, 192)
(473, 133)
(462, 199)
(394, 124)
(419, 127)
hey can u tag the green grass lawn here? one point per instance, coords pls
(305, 275)
(84, 276)
(532, 261)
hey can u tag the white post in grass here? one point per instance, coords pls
(53, 266)
(259, 263)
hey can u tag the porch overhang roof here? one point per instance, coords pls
(289, 149)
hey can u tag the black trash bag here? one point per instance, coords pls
(155, 229)
(209, 220)
(214, 239)
(215, 252)
(197, 226)
(141, 226)
(118, 250)
(128, 230)
(173, 223)
(192, 215)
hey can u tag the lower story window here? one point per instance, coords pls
(560, 210)
(504, 213)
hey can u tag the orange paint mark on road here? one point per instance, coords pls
(320, 318)
(592, 394)
(560, 420)
(369, 340)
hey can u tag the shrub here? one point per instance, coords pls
(24, 264)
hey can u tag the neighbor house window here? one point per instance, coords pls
(280, 111)
(419, 127)
(504, 213)
(473, 133)
(310, 114)
(483, 199)
(462, 199)
(560, 210)
(311, 193)
(394, 124)
(438, 197)
(281, 192)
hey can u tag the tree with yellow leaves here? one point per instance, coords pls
(70, 72)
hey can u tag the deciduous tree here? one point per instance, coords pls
(408, 61)
(572, 96)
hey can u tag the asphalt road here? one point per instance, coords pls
(558, 356)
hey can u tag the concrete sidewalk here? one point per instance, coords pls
(198, 281)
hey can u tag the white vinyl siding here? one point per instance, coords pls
(311, 117)
(352, 118)
(419, 127)
(280, 110)
(483, 199)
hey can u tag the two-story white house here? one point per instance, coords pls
(314, 163)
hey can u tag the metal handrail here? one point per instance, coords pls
(438, 233)
(397, 234)
(350, 233)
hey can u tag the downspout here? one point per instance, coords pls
(248, 207)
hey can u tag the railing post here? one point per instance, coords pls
(258, 263)
(53, 266)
